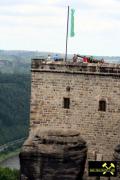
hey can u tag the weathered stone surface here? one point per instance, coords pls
(53, 155)
(116, 156)
(89, 83)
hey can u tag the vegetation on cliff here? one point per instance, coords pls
(8, 174)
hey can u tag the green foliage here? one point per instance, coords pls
(8, 174)
(14, 106)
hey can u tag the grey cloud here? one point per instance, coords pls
(16, 2)
(114, 16)
(117, 0)
(75, 4)
(24, 14)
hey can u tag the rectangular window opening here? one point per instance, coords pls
(67, 103)
(102, 105)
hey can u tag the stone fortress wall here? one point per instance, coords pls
(68, 96)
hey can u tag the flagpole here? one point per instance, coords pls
(67, 34)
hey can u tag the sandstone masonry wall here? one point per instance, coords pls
(88, 85)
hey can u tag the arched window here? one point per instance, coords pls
(102, 105)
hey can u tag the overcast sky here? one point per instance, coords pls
(41, 25)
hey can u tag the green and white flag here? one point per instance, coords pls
(72, 33)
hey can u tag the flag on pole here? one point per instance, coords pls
(72, 33)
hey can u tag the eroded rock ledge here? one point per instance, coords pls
(53, 155)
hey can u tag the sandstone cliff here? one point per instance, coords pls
(53, 155)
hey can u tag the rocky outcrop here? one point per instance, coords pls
(116, 156)
(53, 155)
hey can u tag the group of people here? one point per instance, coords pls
(76, 58)
(55, 57)
(86, 59)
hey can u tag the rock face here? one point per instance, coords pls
(53, 155)
(116, 156)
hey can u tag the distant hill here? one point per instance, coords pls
(20, 61)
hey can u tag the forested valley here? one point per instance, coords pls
(14, 106)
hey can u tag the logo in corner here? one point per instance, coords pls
(102, 168)
(110, 169)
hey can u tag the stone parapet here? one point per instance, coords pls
(70, 67)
